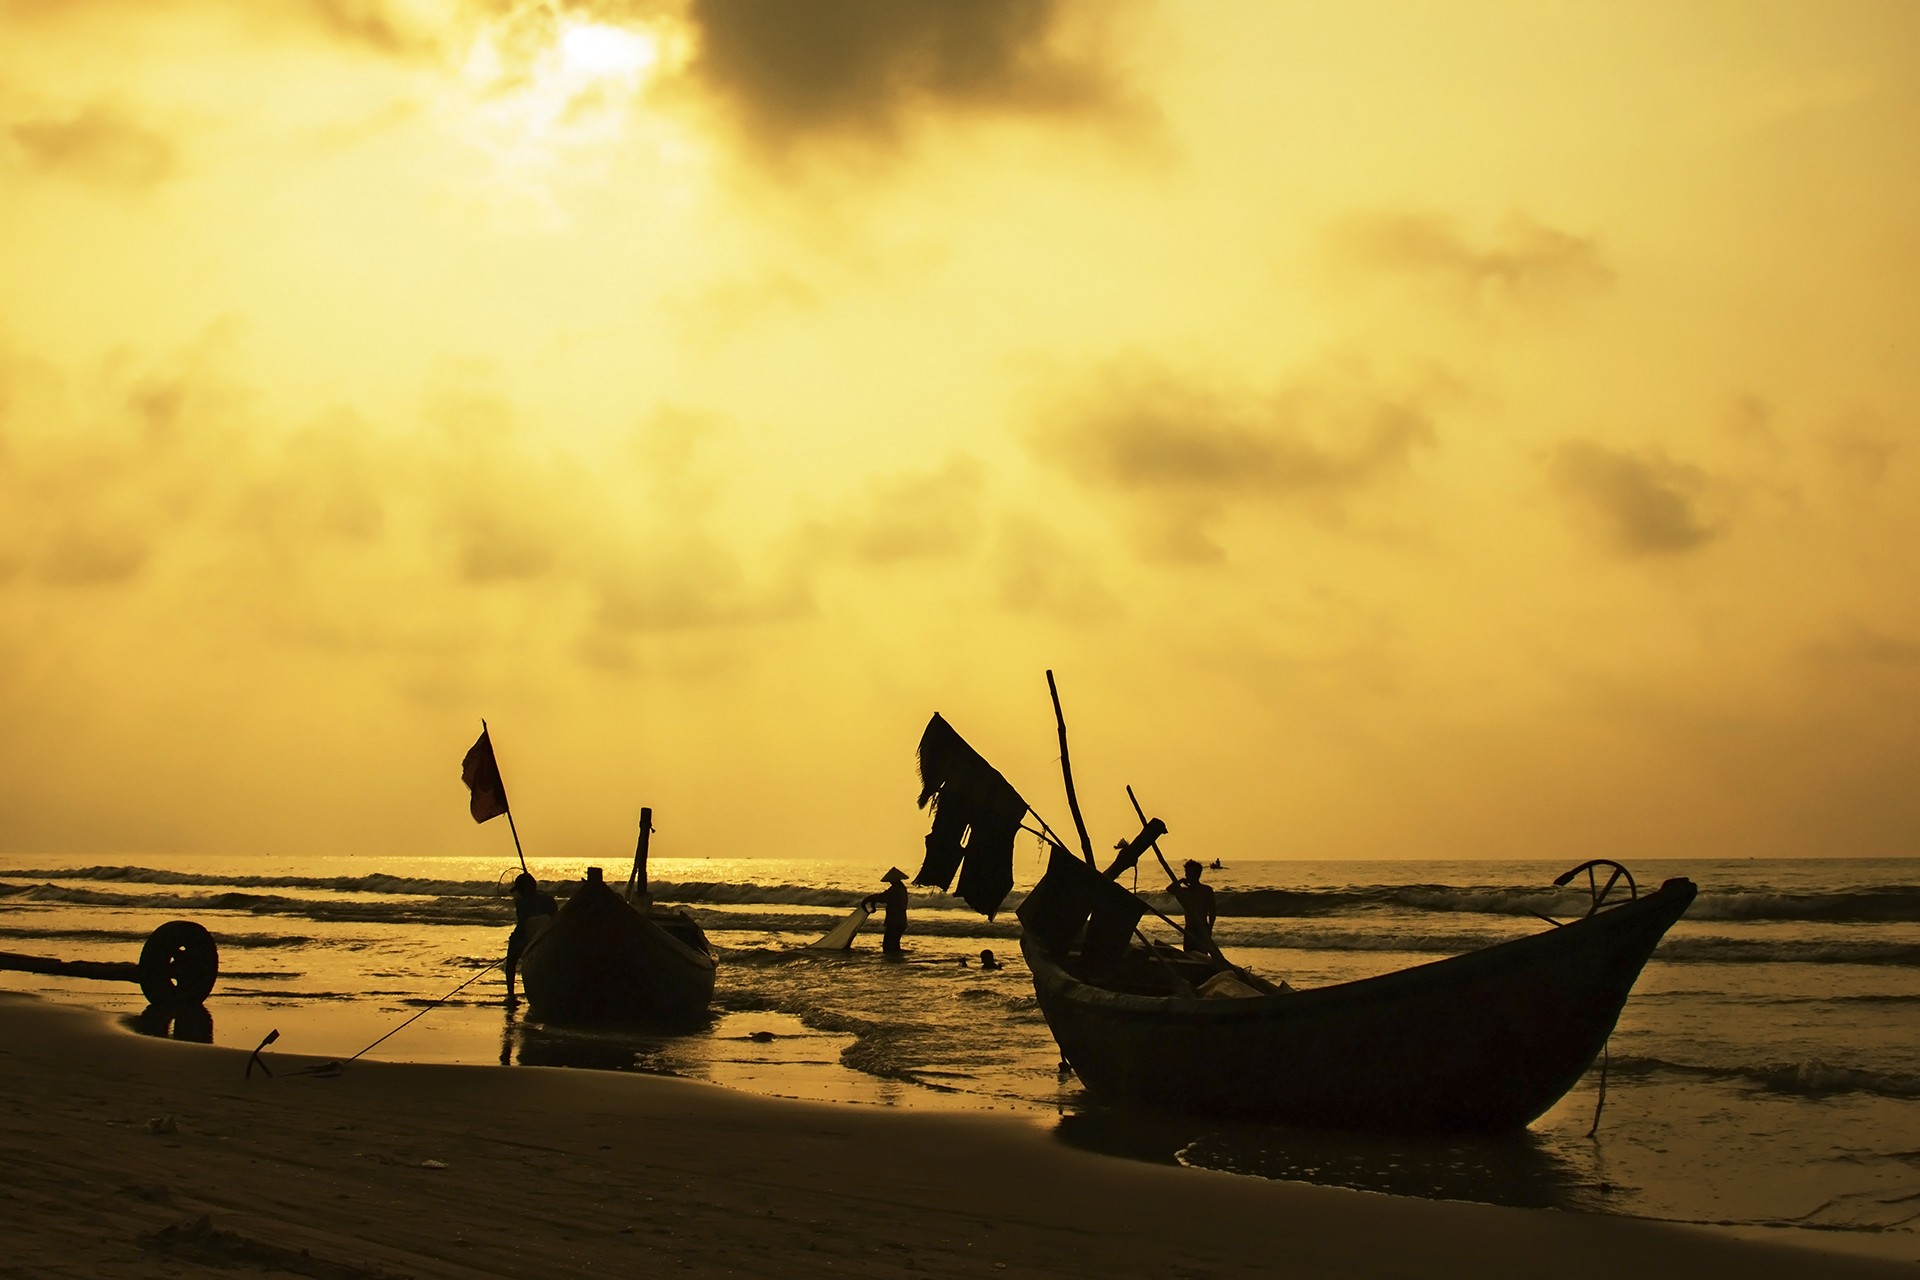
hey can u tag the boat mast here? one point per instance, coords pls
(637, 882)
(1066, 771)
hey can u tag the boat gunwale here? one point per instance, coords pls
(645, 916)
(1671, 899)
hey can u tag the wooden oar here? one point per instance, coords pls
(1216, 955)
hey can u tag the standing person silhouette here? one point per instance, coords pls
(530, 903)
(894, 899)
(1196, 899)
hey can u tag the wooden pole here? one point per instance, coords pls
(638, 880)
(1066, 771)
(1156, 844)
(516, 842)
(520, 853)
(1216, 954)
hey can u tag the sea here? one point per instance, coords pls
(1764, 1078)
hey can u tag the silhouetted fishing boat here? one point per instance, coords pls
(1483, 1041)
(618, 957)
(1487, 1040)
(604, 956)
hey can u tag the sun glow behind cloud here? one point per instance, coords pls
(551, 98)
(771, 375)
(596, 50)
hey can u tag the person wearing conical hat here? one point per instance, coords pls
(530, 904)
(894, 899)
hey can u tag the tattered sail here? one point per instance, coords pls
(976, 815)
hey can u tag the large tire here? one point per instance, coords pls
(178, 965)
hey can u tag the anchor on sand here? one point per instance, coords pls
(176, 969)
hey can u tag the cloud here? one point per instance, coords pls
(861, 68)
(1523, 262)
(396, 27)
(787, 76)
(1184, 451)
(672, 570)
(324, 485)
(498, 546)
(414, 544)
(1642, 505)
(1862, 450)
(1860, 647)
(81, 556)
(104, 473)
(697, 584)
(918, 516)
(99, 145)
(1040, 571)
(370, 23)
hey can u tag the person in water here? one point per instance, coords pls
(1196, 899)
(894, 899)
(530, 902)
(986, 959)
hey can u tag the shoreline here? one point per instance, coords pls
(134, 1152)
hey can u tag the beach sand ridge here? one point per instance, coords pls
(131, 1156)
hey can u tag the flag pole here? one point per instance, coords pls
(503, 796)
(516, 842)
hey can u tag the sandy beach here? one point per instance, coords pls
(130, 1156)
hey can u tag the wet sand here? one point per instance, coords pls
(133, 1156)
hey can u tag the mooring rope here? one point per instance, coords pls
(334, 1067)
(442, 1000)
(1606, 1059)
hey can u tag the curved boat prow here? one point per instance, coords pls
(1487, 1040)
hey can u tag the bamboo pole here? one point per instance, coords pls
(637, 882)
(1156, 844)
(1066, 771)
(518, 851)
(1216, 954)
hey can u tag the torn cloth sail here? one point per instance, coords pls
(482, 775)
(976, 815)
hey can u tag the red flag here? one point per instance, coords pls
(482, 775)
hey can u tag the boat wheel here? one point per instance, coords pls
(1598, 891)
(178, 965)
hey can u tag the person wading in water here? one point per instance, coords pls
(1196, 898)
(894, 899)
(530, 902)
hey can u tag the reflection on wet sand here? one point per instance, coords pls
(1514, 1169)
(543, 1044)
(193, 1023)
(760, 1051)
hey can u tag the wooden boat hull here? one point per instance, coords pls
(1479, 1042)
(605, 960)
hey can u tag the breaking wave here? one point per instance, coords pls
(1811, 1078)
(1881, 904)
(791, 915)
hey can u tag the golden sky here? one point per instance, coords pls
(1407, 429)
